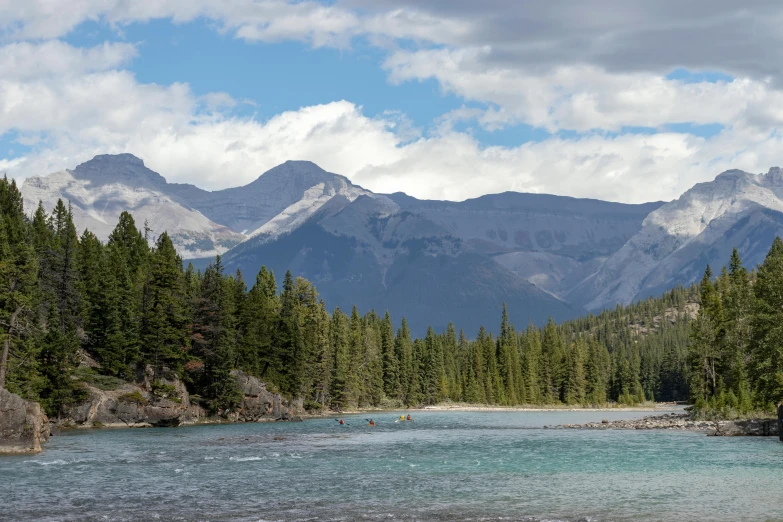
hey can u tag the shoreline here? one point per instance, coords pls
(766, 427)
(657, 407)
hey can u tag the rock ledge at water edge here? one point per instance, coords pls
(23, 425)
(674, 421)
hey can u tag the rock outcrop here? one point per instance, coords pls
(259, 404)
(165, 402)
(147, 403)
(23, 425)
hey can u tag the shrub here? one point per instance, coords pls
(312, 406)
(165, 391)
(103, 382)
(134, 398)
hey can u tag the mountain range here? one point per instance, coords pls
(433, 261)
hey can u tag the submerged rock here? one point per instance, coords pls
(23, 425)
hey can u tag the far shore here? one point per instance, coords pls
(651, 407)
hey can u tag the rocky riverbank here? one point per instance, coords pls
(23, 425)
(675, 421)
(165, 402)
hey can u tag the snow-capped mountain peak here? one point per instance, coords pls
(680, 238)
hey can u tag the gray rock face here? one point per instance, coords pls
(136, 405)
(259, 404)
(23, 425)
(165, 402)
(369, 254)
(678, 240)
(101, 189)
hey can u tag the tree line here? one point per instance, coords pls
(131, 304)
(736, 342)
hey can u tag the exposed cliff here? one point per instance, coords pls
(23, 425)
(165, 402)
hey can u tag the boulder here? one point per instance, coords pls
(259, 404)
(23, 425)
(751, 427)
(136, 405)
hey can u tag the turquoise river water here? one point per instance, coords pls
(444, 466)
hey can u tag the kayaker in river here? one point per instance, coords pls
(372, 422)
(409, 417)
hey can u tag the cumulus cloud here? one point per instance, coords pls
(188, 139)
(596, 68)
(583, 98)
(267, 20)
(26, 61)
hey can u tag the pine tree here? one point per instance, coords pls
(705, 338)
(18, 294)
(552, 364)
(341, 382)
(767, 343)
(164, 322)
(532, 361)
(391, 377)
(575, 383)
(595, 374)
(403, 349)
(214, 337)
(289, 353)
(434, 371)
(508, 359)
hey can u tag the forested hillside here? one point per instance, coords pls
(129, 306)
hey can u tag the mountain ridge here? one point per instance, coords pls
(701, 227)
(561, 253)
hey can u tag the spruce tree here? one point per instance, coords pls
(767, 343)
(18, 295)
(164, 322)
(391, 377)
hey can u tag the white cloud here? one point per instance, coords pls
(25, 61)
(267, 20)
(186, 139)
(69, 104)
(583, 98)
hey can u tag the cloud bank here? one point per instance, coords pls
(596, 77)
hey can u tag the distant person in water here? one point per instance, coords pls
(409, 417)
(342, 421)
(372, 422)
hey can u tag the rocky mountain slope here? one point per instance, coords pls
(680, 238)
(99, 190)
(370, 253)
(201, 224)
(440, 259)
(551, 241)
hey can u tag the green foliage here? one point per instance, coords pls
(165, 391)
(132, 307)
(91, 377)
(134, 398)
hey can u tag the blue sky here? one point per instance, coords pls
(437, 99)
(269, 78)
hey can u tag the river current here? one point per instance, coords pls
(444, 466)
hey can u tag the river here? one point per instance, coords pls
(444, 466)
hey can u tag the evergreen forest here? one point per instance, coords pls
(131, 303)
